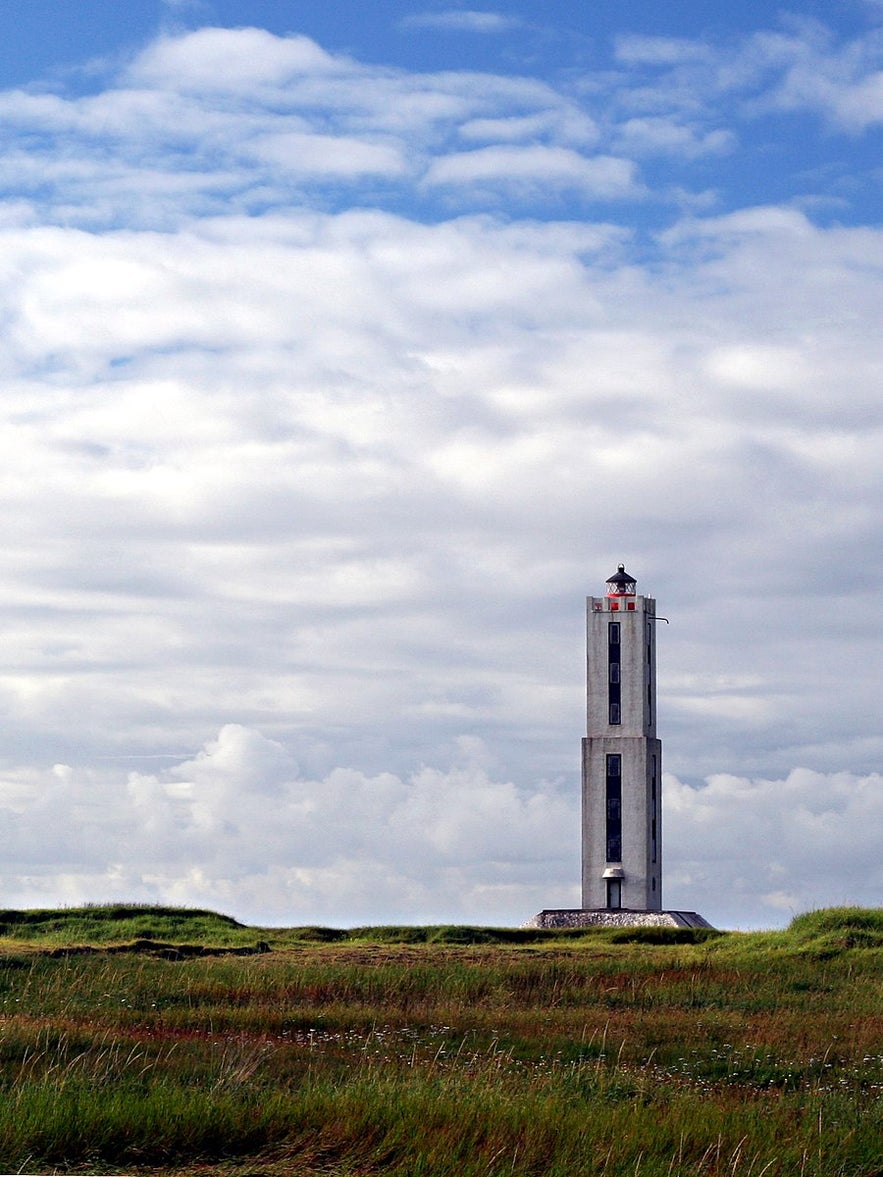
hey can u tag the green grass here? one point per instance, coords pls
(450, 1052)
(118, 923)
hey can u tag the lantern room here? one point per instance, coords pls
(621, 589)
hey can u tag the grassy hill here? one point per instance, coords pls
(180, 1041)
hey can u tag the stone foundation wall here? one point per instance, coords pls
(621, 918)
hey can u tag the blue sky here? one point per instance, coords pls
(347, 348)
(724, 67)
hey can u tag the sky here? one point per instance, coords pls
(346, 349)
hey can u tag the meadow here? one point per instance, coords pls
(181, 1042)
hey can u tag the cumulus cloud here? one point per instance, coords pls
(237, 827)
(808, 841)
(210, 60)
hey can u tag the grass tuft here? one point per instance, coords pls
(839, 928)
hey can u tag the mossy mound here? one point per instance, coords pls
(833, 929)
(112, 923)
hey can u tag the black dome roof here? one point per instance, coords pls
(621, 579)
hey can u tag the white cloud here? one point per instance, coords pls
(536, 167)
(763, 850)
(217, 118)
(461, 20)
(664, 136)
(211, 60)
(855, 103)
(204, 121)
(326, 155)
(634, 49)
(759, 366)
(843, 82)
(799, 67)
(387, 392)
(237, 828)
(566, 125)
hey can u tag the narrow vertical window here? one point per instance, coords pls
(613, 807)
(614, 894)
(614, 690)
(654, 809)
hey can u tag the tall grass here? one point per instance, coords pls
(745, 1056)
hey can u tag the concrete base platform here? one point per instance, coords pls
(583, 917)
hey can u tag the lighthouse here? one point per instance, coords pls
(621, 826)
(621, 754)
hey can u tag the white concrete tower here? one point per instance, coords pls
(622, 758)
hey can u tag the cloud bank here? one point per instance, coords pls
(237, 827)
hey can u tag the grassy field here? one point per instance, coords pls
(137, 1039)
